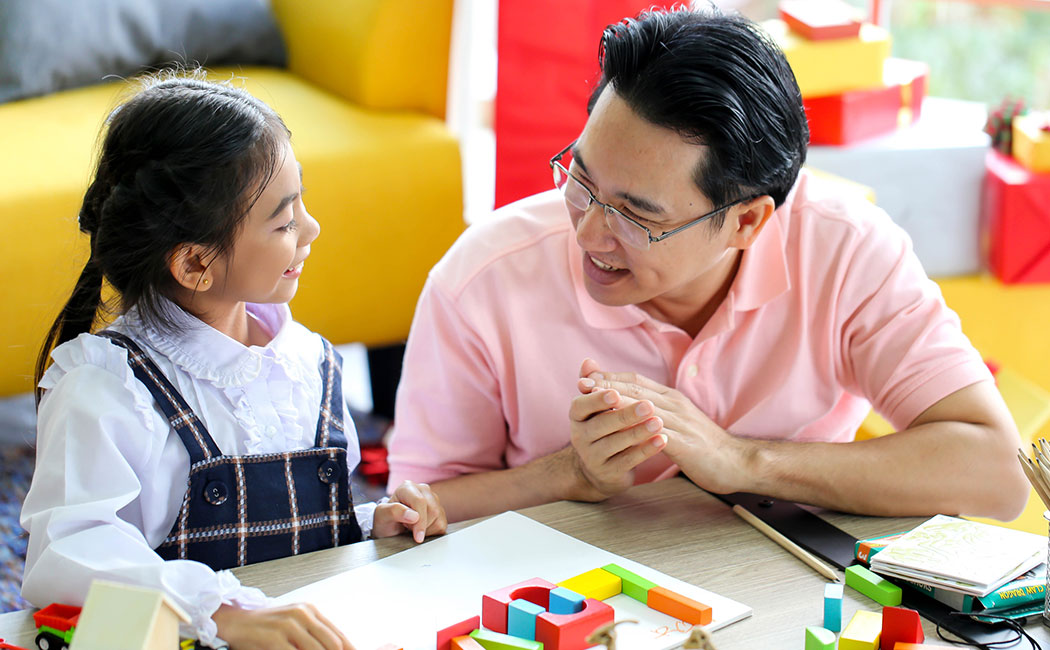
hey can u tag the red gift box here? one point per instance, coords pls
(859, 114)
(1015, 221)
(820, 20)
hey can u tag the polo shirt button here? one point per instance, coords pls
(216, 493)
(692, 371)
(329, 471)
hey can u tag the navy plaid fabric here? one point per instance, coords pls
(239, 510)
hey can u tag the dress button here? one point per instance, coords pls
(329, 471)
(216, 493)
(692, 370)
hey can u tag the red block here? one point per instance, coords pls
(570, 631)
(1015, 221)
(445, 636)
(820, 20)
(494, 604)
(860, 114)
(900, 624)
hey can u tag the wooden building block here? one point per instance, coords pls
(570, 631)
(820, 20)
(565, 601)
(681, 607)
(1031, 141)
(900, 624)
(521, 618)
(445, 636)
(873, 586)
(494, 604)
(466, 642)
(818, 638)
(490, 640)
(633, 584)
(862, 632)
(596, 583)
(833, 606)
(835, 66)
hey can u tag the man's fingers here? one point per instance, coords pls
(635, 455)
(584, 407)
(620, 380)
(608, 447)
(616, 420)
(589, 366)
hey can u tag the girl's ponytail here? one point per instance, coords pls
(76, 317)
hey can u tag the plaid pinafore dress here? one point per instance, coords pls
(239, 510)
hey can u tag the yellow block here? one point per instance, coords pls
(852, 186)
(834, 66)
(596, 583)
(1031, 145)
(862, 632)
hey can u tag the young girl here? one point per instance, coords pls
(204, 429)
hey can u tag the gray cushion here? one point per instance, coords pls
(49, 45)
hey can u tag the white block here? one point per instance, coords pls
(928, 178)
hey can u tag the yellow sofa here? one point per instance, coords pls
(364, 96)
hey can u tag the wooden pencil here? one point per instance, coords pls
(786, 543)
(1030, 472)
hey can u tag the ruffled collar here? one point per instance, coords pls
(207, 353)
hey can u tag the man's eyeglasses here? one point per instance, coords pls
(625, 228)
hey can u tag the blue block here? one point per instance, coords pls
(833, 606)
(565, 601)
(521, 618)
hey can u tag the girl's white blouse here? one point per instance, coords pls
(111, 473)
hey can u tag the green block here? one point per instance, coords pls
(633, 585)
(495, 641)
(873, 586)
(818, 638)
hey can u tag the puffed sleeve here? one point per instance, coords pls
(98, 435)
(449, 418)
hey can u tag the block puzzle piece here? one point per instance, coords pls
(818, 638)
(565, 601)
(873, 586)
(494, 604)
(445, 636)
(681, 607)
(596, 583)
(833, 606)
(632, 584)
(863, 632)
(490, 640)
(521, 618)
(570, 631)
(900, 624)
(820, 20)
(466, 642)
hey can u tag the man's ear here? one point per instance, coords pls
(748, 219)
(190, 266)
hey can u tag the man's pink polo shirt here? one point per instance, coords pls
(830, 313)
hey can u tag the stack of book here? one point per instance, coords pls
(972, 567)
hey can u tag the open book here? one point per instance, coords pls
(967, 556)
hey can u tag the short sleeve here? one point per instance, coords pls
(903, 348)
(449, 418)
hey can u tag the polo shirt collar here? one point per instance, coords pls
(762, 276)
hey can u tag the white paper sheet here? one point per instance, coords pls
(406, 598)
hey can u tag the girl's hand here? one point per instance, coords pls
(412, 506)
(290, 627)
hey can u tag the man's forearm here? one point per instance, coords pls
(549, 478)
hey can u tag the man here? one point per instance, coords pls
(689, 302)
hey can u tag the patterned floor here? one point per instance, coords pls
(16, 461)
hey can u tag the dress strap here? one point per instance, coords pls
(180, 416)
(330, 421)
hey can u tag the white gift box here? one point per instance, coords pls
(928, 177)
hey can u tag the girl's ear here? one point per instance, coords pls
(189, 266)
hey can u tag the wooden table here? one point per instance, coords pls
(670, 526)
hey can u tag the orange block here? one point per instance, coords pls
(679, 606)
(466, 643)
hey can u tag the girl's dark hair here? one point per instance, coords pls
(182, 161)
(719, 81)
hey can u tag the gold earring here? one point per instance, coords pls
(205, 281)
